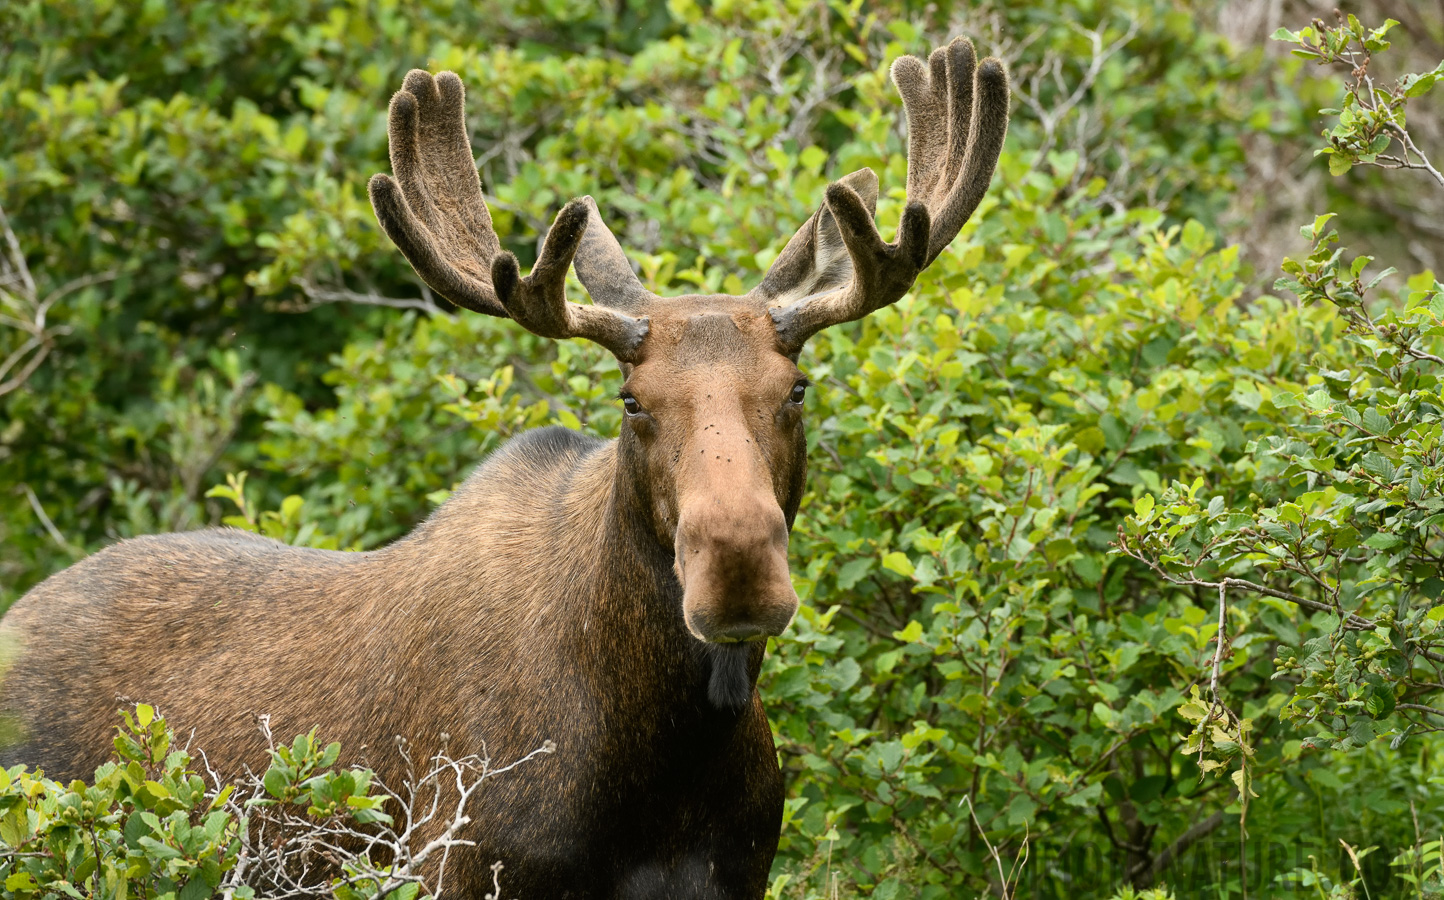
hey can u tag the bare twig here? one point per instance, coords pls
(1030, 88)
(27, 312)
(49, 525)
(1421, 708)
(1003, 877)
(294, 855)
(320, 296)
(1218, 642)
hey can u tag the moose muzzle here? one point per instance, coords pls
(732, 562)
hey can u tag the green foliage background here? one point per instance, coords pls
(975, 671)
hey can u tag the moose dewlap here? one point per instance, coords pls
(613, 597)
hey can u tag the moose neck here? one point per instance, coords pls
(599, 594)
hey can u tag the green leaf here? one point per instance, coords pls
(159, 849)
(921, 477)
(1418, 85)
(1362, 731)
(854, 571)
(1375, 423)
(1379, 701)
(890, 754)
(20, 881)
(1378, 465)
(1383, 541)
(899, 563)
(290, 508)
(911, 633)
(275, 782)
(1313, 231)
(195, 889)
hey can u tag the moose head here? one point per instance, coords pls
(713, 394)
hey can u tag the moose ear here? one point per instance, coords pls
(815, 259)
(604, 270)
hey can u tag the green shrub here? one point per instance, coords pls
(217, 198)
(157, 822)
(988, 686)
(146, 826)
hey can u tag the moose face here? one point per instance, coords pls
(713, 420)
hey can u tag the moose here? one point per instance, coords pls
(613, 597)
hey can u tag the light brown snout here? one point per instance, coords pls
(732, 562)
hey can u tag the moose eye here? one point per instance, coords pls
(630, 404)
(799, 391)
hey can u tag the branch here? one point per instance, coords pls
(1218, 644)
(1347, 619)
(319, 295)
(1423, 163)
(1049, 119)
(1173, 851)
(22, 297)
(48, 524)
(17, 264)
(992, 851)
(1421, 708)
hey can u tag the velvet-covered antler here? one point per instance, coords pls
(957, 113)
(433, 210)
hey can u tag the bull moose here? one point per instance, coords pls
(613, 597)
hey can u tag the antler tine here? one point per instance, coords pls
(957, 113)
(433, 210)
(538, 301)
(452, 250)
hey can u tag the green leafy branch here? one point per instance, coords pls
(1371, 118)
(154, 825)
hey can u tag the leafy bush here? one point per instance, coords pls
(157, 822)
(147, 826)
(989, 688)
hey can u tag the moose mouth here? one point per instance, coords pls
(745, 634)
(761, 619)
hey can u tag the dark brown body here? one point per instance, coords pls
(653, 792)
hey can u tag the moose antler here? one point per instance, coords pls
(433, 210)
(957, 114)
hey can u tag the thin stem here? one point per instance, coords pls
(47, 523)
